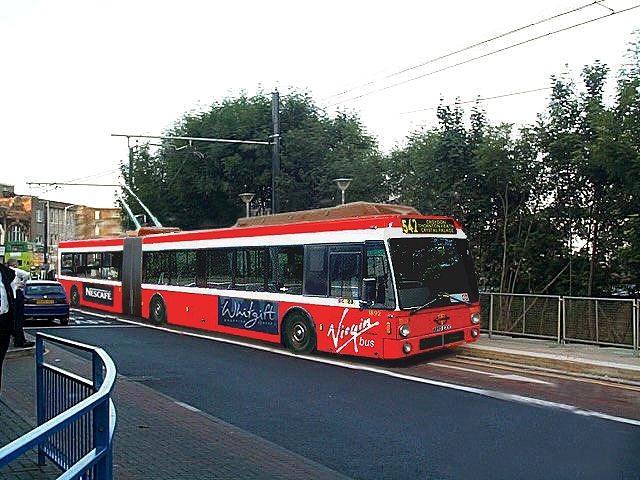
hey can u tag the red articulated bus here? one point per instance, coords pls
(370, 280)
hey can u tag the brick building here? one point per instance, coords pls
(26, 218)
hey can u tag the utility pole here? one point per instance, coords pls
(46, 236)
(130, 179)
(275, 156)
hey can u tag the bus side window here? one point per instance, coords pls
(219, 270)
(345, 266)
(154, 267)
(287, 269)
(315, 271)
(66, 264)
(251, 270)
(80, 264)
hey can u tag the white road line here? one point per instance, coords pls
(354, 366)
(511, 376)
(186, 406)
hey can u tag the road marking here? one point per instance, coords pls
(511, 376)
(186, 406)
(544, 372)
(354, 366)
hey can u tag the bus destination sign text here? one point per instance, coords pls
(437, 226)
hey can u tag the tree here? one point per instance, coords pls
(196, 184)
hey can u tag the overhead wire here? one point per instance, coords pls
(508, 47)
(470, 47)
(481, 99)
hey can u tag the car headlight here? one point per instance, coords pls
(475, 318)
(404, 330)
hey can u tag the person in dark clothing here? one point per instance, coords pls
(7, 302)
(18, 285)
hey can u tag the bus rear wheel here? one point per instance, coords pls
(298, 332)
(157, 310)
(75, 296)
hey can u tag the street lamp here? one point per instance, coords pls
(246, 198)
(343, 184)
(65, 228)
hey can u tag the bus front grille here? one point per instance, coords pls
(440, 340)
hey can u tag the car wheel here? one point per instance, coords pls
(64, 321)
(299, 333)
(74, 296)
(157, 310)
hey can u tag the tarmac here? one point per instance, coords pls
(152, 425)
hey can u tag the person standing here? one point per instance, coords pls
(18, 285)
(6, 311)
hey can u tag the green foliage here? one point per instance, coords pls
(550, 208)
(196, 184)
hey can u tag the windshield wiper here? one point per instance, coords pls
(439, 296)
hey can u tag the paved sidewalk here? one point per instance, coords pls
(612, 363)
(156, 437)
(172, 441)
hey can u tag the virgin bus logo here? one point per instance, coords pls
(346, 334)
(442, 321)
(102, 294)
(255, 315)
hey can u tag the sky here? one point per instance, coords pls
(76, 72)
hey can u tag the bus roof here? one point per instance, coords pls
(351, 216)
(348, 210)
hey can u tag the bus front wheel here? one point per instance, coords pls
(299, 334)
(157, 310)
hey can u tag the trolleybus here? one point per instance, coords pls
(371, 280)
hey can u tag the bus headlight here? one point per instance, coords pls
(474, 332)
(406, 348)
(475, 318)
(404, 330)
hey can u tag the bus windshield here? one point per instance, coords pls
(433, 272)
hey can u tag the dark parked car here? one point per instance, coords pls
(46, 299)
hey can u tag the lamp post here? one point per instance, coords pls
(246, 198)
(343, 184)
(65, 230)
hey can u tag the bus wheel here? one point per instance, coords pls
(298, 332)
(75, 296)
(157, 310)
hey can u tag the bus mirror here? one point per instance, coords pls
(369, 290)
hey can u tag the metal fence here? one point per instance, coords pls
(76, 416)
(598, 321)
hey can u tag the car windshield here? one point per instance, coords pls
(433, 272)
(44, 290)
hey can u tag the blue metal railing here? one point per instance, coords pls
(76, 416)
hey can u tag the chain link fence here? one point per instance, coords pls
(598, 321)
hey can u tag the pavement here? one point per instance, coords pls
(172, 441)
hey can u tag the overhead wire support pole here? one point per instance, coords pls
(275, 153)
(198, 139)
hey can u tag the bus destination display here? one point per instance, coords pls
(428, 225)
